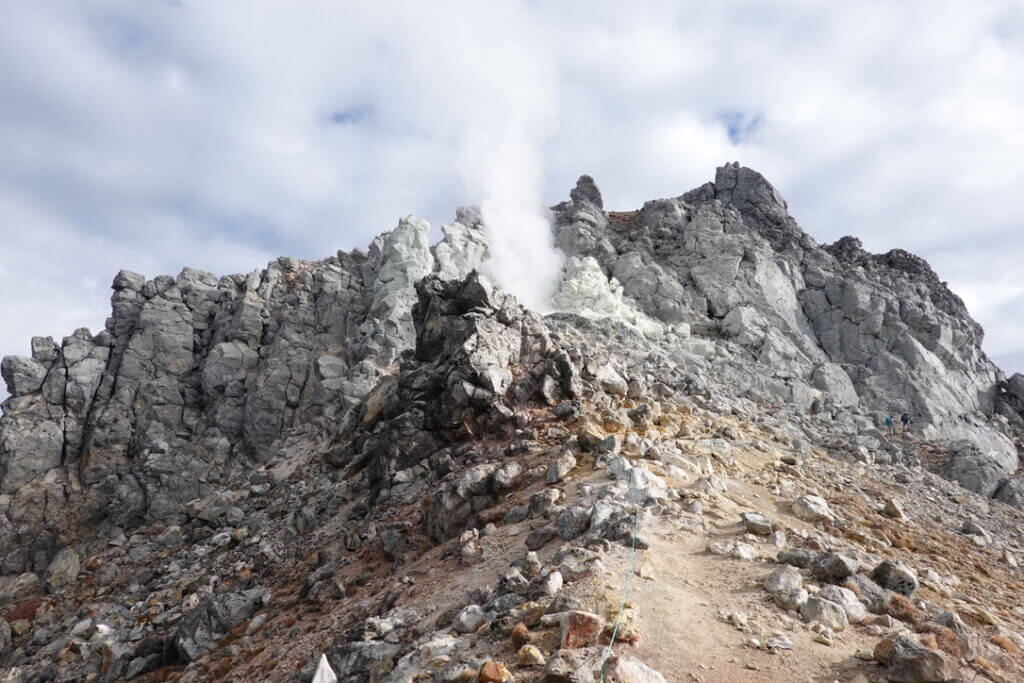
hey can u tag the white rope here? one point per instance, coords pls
(625, 595)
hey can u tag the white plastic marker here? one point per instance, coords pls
(324, 672)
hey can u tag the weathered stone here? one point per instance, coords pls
(812, 509)
(907, 661)
(560, 467)
(363, 661)
(870, 593)
(529, 655)
(825, 612)
(799, 557)
(493, 672)
(469, 619)
(791, 599)
(580, 629)
(540, 537)
(835, 567)
(783, 580)
(63, 570)
(845, 598)
(756, 523)
(893, 509)
(22, 375)
(201, 628)
(895, 576)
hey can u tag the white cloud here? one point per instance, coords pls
(158, 135)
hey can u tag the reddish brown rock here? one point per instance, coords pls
(493, 672)
(580, 629)
(520, 635)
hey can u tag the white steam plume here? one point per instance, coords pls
(523, 259)
(509, 111)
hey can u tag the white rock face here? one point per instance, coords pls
(587, 291)
(463, 248)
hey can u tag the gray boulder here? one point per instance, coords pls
(22, 375)
(200, 629)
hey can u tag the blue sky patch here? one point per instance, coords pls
(352, 116)
(740, 125)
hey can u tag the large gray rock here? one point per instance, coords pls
(200, 629)
(1015, 386)
(22, 375)
(908, 661)
(980, 471)
(1011, 492)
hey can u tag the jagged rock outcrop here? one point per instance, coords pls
(193, 372)
(168, 469)
(195, 375)
(820, 327)
(404, 374)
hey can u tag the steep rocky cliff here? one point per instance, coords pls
(397, 397)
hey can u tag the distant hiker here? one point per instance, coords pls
(905, 419)
(890, 426)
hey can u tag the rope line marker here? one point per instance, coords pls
(625, 594)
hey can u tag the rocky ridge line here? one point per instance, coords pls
(396, 385)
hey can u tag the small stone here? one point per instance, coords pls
(779, 642)
(783, 580)
(520, 634)
(589, 436)
(893, 509)
(560, 467)
(551, 584)
(743, 551)
(469, 619)
(823, 634)
(580, 629)
(835, 567)
(845, 598)
(63, 569)
(972, 528)
(791, 600)
(798, 557)
(756, 523)
(529, 655)
(531, 565)
(720, 547)
(221, 539)
(812, 509)
(516, 514)
(493, 672)
(645, 570)
(825, 612)
(539, 538)
(777, 539)
(737, 619)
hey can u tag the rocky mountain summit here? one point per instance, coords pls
(381, 467)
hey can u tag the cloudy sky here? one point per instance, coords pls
(151, 134)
